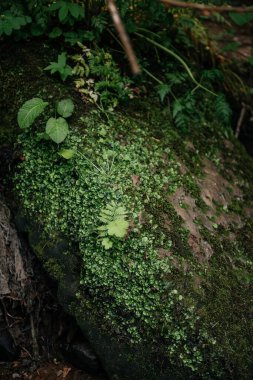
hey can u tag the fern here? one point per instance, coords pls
(213, 75)
(183, 109)
(222, 109)
(114, 224)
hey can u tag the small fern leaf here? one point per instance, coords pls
(222, 109)
(29, 111)
(118, 228)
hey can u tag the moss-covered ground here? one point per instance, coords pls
(147, 287)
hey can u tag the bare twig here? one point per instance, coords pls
(209, 8)
(240, 121)
(123, 37)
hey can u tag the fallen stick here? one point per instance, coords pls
(209, 8)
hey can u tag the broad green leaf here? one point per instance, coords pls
(118, 228)
(67, 153)
(30, 111)
(107, 243)
(57, 129)
(251, 60)
(65, 107)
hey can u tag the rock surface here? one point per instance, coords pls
(170, 296)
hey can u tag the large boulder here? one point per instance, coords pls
(150, 240)
(148, 233)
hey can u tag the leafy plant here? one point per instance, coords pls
(114, 222)
(56, 128)
(99, 79)
(29, 112)
(67, 9)
(223, 111)
(60, 67)
(10, 22)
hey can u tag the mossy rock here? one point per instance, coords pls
(172, 297)
(149, 236)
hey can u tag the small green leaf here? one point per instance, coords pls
(251, 60)
(106, 243)
(56, 32)
(57, 129)
(65, 107)
(118, 228)
(67, 153)
(62, 59)
(76, 10)
(29, 111)
(63, 12)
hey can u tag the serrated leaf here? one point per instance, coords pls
(65, 107)
(106, 243)
(62, 59)
(57, 129)
(163, 90)
(177, 107)
(67, 153)
(30, 111)
(118, 228)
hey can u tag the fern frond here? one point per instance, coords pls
(222, 109)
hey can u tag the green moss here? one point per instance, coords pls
(139, 287)
(54, 269)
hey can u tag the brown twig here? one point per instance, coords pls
(203, 7)
(123, 37)
(240, 121)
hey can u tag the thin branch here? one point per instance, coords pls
(123, 37)
(203, 7)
